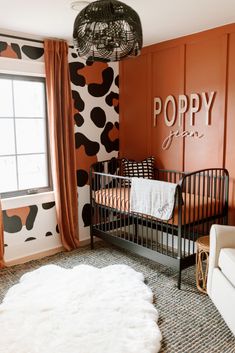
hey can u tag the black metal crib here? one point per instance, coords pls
(202, 200)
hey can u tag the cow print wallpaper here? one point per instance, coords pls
(95, 93)
(15, 49)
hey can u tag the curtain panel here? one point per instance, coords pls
(62, 142)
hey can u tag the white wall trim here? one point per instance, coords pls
(22, 67)
(27, 200)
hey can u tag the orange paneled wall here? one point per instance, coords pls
(166, 65)
(136, 109)
(205, 71)
(229, 145)
(200, 67)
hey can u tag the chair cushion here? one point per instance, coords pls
(227, 264)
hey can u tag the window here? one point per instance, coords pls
(24, 162)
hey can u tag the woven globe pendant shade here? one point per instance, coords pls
(107, 30)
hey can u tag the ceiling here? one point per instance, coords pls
(161, 19)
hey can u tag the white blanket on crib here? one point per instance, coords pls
(152, 197)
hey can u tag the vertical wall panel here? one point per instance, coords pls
(230, 135)
(134, 104)
(167, 79)
(206, 72)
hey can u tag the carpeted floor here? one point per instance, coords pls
(188, 320)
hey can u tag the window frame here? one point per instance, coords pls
(49, 187)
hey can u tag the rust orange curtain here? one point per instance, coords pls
(2, 263)
(62, 142)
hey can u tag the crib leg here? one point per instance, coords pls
(179, 279)
(92, 241)
(136, 229)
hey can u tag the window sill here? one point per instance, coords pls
(27, 200)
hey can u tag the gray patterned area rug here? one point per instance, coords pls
(188, 320)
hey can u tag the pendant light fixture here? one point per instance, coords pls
(107, 30)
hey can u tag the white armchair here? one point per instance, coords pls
(221, 275)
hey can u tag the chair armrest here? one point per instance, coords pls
(220, 237)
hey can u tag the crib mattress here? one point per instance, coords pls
(194, 207)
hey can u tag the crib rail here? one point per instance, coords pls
(168, 175)
(205, 194)
(202, 199)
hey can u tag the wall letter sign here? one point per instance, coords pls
(191, 104)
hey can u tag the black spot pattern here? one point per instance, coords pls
(31, 52)
(82, 177)
(14, 224)
(77, 80)
(98, 117)
(16, 49)
(89, 62)
(30, 239)
(112, 165)
(78, 102)
(78, 105)
(11, 224)
(74, 55)
(31, 217)
(99, 90)
(48, 205)
(86, 214)
(3, 46)
(91, 147)
(57, 229)
(48, 234)
(108, 144)
(79, 120)
(117, 81)
(109, 100)
(99, 168)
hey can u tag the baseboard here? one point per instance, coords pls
(35, 256)
(84, 242)
(41, 254)
(87, 241)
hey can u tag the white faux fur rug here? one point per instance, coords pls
(79, 310)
